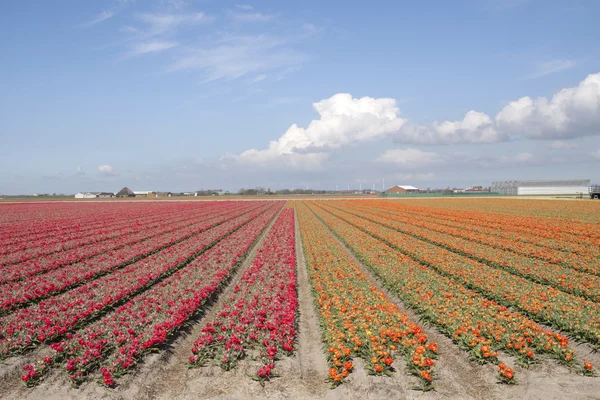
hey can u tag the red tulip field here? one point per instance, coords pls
(436, 298)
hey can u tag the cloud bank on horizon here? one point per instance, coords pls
(346, 121)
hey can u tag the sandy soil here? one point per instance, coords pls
(165, 376)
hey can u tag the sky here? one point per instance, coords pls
(181, 95)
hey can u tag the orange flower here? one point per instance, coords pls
(348, 365)
(426, 375)
(587, 365)
(530, 354)
(378, 368)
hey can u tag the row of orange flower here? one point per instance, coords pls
(570, 256)
(564, 311)
(561, 277)
(475, 323)
(357, 320)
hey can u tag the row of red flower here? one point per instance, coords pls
(261, 313)
(29, 222)
(170, 229)
(57, 315)
(117, 341)
(16, 294)
(118, 229)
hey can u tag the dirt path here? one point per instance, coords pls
(313, 366)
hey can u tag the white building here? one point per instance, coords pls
(144, 193)
(94, 195)
(537, 188)
(86, 195)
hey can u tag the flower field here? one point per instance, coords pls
(465, 299)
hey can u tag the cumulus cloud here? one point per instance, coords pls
(475, 127)
(106, 169)
(571, 112)
(409, 158)
(343, 120)
(346, 121)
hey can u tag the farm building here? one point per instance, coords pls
(125, 192)
(532, 188)
(94, 195)
(402, 189)
(471, 189)
(85, 195)
(144, 193)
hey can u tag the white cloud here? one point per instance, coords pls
(259, 78)
(409, 158)
(571, 112)
(475, 127)
(105, 169)
(252, 17)
(343, 120)
(155, 46)
(596, 154)
(561, 144)
(174, 4)
(237, 56)
(108, 13)
(244, 7)
(161, 23)
(551, 67)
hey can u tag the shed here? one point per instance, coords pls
(125, 192)
(402, 189)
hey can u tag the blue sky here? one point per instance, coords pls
(183, 95)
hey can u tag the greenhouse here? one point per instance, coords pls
(533, 188)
